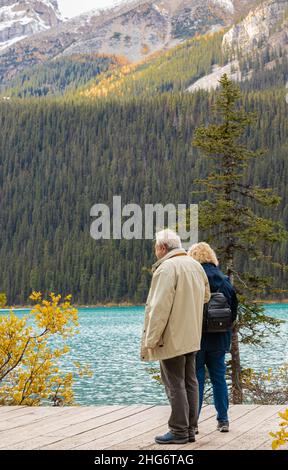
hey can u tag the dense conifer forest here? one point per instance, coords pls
(59, 156)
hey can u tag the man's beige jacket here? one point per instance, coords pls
(174, 308)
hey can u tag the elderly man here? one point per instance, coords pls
(172, 331)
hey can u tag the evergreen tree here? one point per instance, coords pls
(230, 218)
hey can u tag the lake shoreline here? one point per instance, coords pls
(113, 336)
(131, 304)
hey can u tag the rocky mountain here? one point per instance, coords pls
(263, 32)
(24, 18)
(267, 25)
(133, 29)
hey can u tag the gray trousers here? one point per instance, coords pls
(179, 378)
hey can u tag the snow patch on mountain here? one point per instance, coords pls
(226, 4)
(114, 6)
(10, 43)
(19, 20)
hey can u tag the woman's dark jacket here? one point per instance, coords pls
(217, 280)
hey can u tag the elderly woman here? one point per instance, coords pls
(214, 346)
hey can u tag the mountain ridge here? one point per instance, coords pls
(133, 29)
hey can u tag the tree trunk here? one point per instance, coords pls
(237, 389)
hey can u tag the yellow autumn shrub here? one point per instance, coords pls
(280, 438)
(3, 300)
(30, 349)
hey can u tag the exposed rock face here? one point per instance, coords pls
(24, 18)
(267, 24)
(133, 34)
(211, 81)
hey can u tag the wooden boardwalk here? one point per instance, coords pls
(129, 427)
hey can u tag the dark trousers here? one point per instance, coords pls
(179, 377)
(215, 362)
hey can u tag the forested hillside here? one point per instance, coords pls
(59, 157)
(174, 70)
(58, 76)
(70, 144)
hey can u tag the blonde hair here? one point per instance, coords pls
(203, 253)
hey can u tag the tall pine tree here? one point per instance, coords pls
(232, 216)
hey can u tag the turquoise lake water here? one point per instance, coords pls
(109, 343)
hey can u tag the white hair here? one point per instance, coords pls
(169, 238)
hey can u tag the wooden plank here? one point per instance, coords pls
(36, 414)
(17, 412)
(24, 436)
(115, 432)
(122, 430)
(267, 445)
(128, 439)
(57, 430)
(207, 430)
(11, 410)
(235, 413)
(33, 415)
(273, 425)
(255, 436)
(144, 439)
(130, 427)
(244, 422)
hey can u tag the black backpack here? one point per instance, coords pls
(217, 317)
